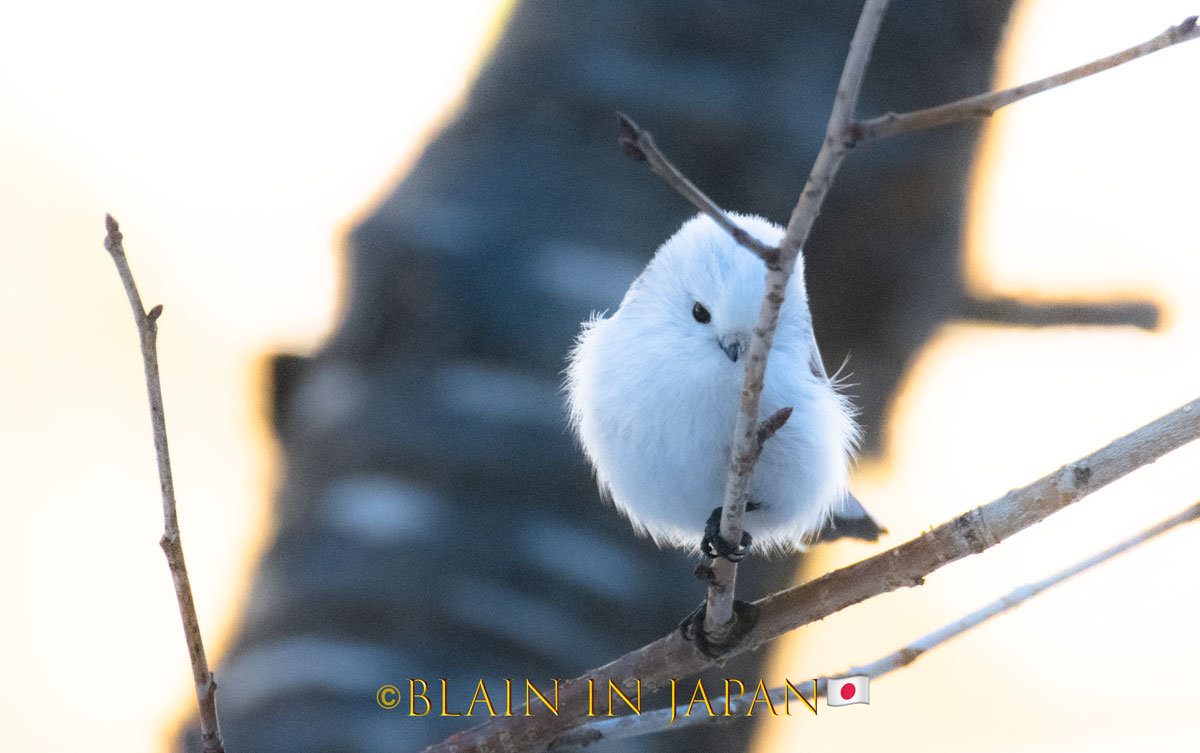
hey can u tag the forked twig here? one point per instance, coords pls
(842, 134)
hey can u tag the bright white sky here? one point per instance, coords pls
(236, 144)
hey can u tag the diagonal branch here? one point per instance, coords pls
(172, 545)
(985, 105)
(659, 720)
(902, 566)
(639, 145)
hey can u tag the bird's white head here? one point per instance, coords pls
(700, 295)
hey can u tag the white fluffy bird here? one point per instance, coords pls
(653, 396)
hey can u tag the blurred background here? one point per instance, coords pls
(374, 231)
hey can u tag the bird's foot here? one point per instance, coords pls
(692, 629)
(713, 545)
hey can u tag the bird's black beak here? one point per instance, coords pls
(733, 349)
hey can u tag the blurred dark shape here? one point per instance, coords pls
(435, 519)
(1011, 311)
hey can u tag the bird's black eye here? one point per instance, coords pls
(701, 314)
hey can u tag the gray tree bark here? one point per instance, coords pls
(435, 519)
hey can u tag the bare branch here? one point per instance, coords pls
(985, 105)
(639, 145)
(902, 566)
(172, 545)
(718, 620)
(672, 719)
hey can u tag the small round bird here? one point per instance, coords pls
(653, 398)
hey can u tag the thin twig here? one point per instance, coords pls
(770, 425)
(658, 720)
(639, 144)
(985, 105)
(718, 618)
(902, 566)
(172, 545)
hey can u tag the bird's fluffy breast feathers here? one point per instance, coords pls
(652, 392)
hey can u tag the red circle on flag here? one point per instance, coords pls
(848, 691)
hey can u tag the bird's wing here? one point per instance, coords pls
(851, 520)
(815, 364)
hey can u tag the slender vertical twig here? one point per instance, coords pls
(718, 618)
(172, 545)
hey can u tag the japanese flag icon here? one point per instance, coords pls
(848, 690)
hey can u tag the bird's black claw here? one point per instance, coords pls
(692, 629)
(713, 545)
(693, 624)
